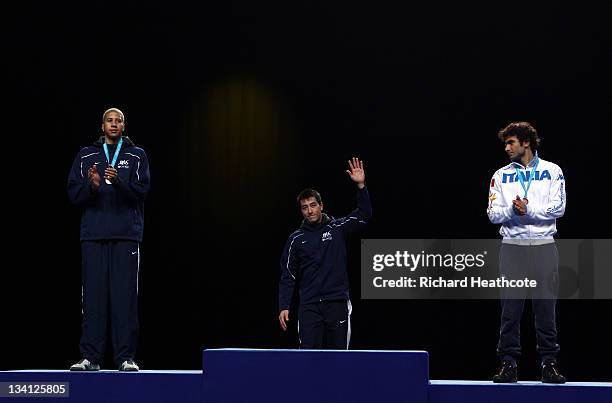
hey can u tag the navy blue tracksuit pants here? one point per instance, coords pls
(110, 288)
(325, 324)
(541, 264)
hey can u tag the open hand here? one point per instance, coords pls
(356, 172)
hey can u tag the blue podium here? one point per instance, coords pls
(297, 376)
(235, 375)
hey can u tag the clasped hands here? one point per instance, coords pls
(93, 175)
(520, 205)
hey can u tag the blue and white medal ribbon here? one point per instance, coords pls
(112, 164)
(531, 175)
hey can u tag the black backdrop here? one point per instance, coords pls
(239, 106)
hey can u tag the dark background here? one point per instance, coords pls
(239, 106)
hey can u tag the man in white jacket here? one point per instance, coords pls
(526, 197)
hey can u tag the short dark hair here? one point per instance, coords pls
(523, 132)
(308, 193)
(109, 110)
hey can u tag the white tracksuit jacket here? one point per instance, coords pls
(546, 201)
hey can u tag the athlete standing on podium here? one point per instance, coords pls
(315, 260)
(526, 197)
(109, 180)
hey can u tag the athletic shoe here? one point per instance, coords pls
(550, 373)
(129, 366)
(85, 365)
(507, 373)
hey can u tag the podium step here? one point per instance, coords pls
(524, 392)
(111, 386)
(301, 376)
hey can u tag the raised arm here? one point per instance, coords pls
(362, 214)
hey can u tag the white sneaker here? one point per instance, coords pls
(85, 365)
(129, 366)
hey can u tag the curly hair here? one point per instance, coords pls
(523, 132)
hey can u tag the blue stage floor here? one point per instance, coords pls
(295, 376)
(524, 392)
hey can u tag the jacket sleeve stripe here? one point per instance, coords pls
(345, 221)
(289, 254)
(561, 203)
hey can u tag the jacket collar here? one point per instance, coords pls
(531, 163)
(126, 141)
(314, 227)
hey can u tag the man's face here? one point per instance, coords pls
(515, 149)
(112, 125)
(311, 210)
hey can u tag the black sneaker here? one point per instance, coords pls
(550, 373)
(129, 366)
(507, 373)
(85, 365)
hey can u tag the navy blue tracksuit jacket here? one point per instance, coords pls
(114, 211)
(315, 257)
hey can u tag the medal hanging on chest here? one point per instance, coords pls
(115, 156)
(519, 176)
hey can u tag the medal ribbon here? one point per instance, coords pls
(117, 153)
(531, 175)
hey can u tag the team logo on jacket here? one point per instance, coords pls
(123, 164)
(326, 236)
(538, 176)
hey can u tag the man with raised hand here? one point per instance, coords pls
(315, 260)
